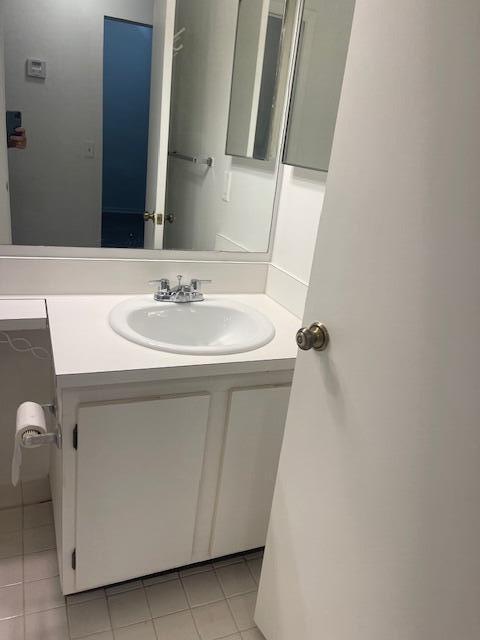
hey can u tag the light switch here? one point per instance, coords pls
(227, 186)
(88, 149)
(36, 68)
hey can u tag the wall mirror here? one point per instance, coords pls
(255, 67)
(320, 64)
(127, 125)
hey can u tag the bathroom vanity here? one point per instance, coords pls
(167, 459)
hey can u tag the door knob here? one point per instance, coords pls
(315, 337)
(170, 217)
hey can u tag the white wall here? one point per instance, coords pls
(55, 190)
(299, 208)
(22, 377)
(5, 227)
(200, 101)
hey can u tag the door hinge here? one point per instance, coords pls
(75, 437)
(74, 559)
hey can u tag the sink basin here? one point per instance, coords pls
(210, 327)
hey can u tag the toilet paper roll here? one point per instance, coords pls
(31, 420)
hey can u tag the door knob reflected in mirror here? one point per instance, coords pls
(170, 217)
(314, 337)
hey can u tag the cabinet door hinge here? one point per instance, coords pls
(74, 559)
(75, 437)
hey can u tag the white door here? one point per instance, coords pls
(138, 477)
(5, 224)
(375, 524)
(160, 89)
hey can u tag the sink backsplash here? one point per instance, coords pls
(41, 276)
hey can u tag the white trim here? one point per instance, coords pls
(97, 253)
(287, 290)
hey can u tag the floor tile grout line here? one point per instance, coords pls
(204, 604)
(57, 575)
(228, 604)
(240, 593)
(130, 625)
(20, 615)
(149, 609)
(107, 603)
(196, 626)
(190, 609)
(11, 584)
(200, 636)
(50, 608)
(237, 595)
(257, 582)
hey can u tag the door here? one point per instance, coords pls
(161, 80)
(138, 476)
(375, 523)
(127, 55)
(5, 223)
(255, 426)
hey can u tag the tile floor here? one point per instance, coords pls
(204, 603)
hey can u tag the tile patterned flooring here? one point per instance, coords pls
(204, 603)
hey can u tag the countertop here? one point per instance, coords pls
(22, 313)
(87, 351)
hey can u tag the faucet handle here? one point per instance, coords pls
(163, 289)
(197, 283)
(163, 282)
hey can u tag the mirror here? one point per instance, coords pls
(255, 67)
(322, 51)
(120, 117)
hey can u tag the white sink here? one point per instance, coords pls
(210, 327)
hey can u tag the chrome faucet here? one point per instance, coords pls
(181, 293)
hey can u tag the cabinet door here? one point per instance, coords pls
(138, 477)
(252, 449)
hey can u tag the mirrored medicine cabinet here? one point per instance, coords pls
(160, 124)
(323, 39)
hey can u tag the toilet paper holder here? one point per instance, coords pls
(39, 439)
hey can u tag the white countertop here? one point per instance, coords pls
(22, 313)
(86, 350)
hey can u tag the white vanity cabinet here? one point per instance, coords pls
(154, 476)
(253, 440)
(138, 475)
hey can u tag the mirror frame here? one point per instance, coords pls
(286, 67)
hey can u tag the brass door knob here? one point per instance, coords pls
(314, 337)
(149, 216)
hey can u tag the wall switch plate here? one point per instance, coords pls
(227, 186)
(88, 149)
(36, 68)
